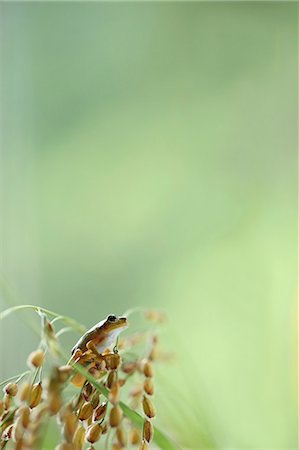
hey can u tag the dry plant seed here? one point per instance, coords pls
(86, 411)
(100, 412)
(20, 444)
(7, 434)
(135, 436)
(148, 431)
(24, 414)
(94, 433)
(25, 392)
(136, 391)
(114, 393)
(104, 427)
(64, 372)
(87, 391)
(36, 358)
(78, 379)
(18, 430)
(128, 367)
(148, 369)
(116, 416)
(143, 446)
(155, 316)
(6, 402)
(76, 404)
(70, 425)
(121, 436)
(111, 379)
(148, 386)
(116, 446)
(112, 361)
(95, 400)
(79, 436)
(65, 446)
(63, 413)
(54, 404)
(121, 382)
(49, 329)
(148, 407)
(11, 389)
(35, 395)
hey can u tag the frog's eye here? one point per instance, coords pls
(112, 318)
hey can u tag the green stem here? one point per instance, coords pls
(75, 325)
(17, 378)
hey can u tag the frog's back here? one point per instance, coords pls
(88, 336)
(81, 344)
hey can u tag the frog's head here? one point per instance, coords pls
(113, 322)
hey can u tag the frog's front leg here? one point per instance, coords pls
(92, 346)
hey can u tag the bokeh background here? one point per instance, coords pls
(149, 157)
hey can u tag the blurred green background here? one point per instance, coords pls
(149, 157)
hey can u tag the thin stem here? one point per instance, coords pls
(73, 323)
(35, 375)
(17, 378)
(63, 330)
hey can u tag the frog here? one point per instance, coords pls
(96, 344)
(102, 336)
